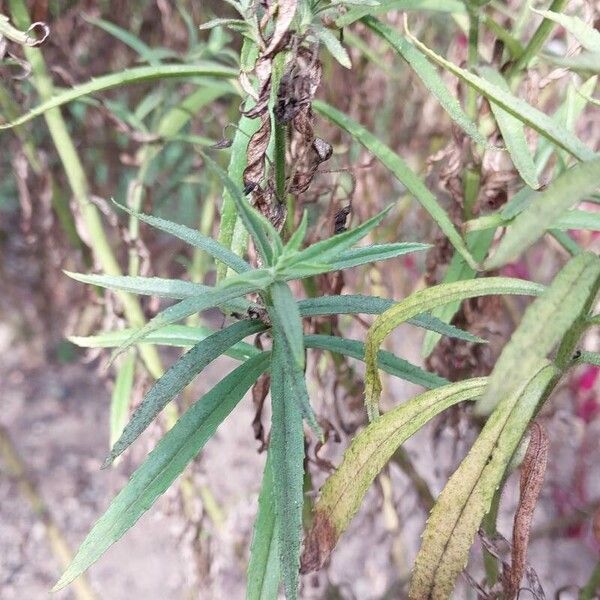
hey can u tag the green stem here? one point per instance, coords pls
(280, 148)
(471, 175)
(489, 526)
(79, 185)
(537, 41)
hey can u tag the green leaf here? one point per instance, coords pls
(286, 315)
(344, 491)
(387, 361)
(585, 34)
(126, 77)
(263, 568)
(374, 253)
(288, 336)
(428, 75)
(372, 305)
(513, 132)
(425, 300)
(330, 248)
(401, 171)
(177, 378)
(296, 239)
(566, 116)
(215, 297)
(146, 286)
(520, 109)
(333, 44)
(164, 464)
(587, 62)
(179, 336)
(543, 325)
(590, 358)
(541, 214)
(354, 14)
(230, 230)
(121, 394)
(150, 55)
(287, 451)
(468, 495)
(162, 288)
(194, 238)
(258, 227)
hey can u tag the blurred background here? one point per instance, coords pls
(55, 417)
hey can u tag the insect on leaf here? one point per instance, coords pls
(401, 171)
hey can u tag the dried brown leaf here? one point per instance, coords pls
(532, 479)
(286, 9)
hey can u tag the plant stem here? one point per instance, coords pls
(489, 526)
(18, 471)
(537, 41)
(78, 182)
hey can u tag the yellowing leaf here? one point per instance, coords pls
(468, 494)
(423, 301)
(370, 450)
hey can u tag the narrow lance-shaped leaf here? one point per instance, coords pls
(543, 325)
(194, 238)
(288, 333)
(287, 451)
(255, 223)
(126, 77)
(371, 449)
(586, 35)
(285, 312)
(347, 259)
(374, 253)
(422, 301)
(547, 206)
(328, 249)
(520, 109)
(356, 13)
(263, 567)
(177, 378)
(513, 132)
(373, 305)
(468, 495)
(401, 171)
(387, 361)
(428, 75)
(216, 297)
(156, 286)
(164, 464)
(179, 336)
(245, 129)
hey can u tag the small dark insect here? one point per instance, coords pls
(577, 354)
(222, 143)
(341, 216)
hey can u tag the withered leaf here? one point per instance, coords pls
(286, 9)
(532, 479)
